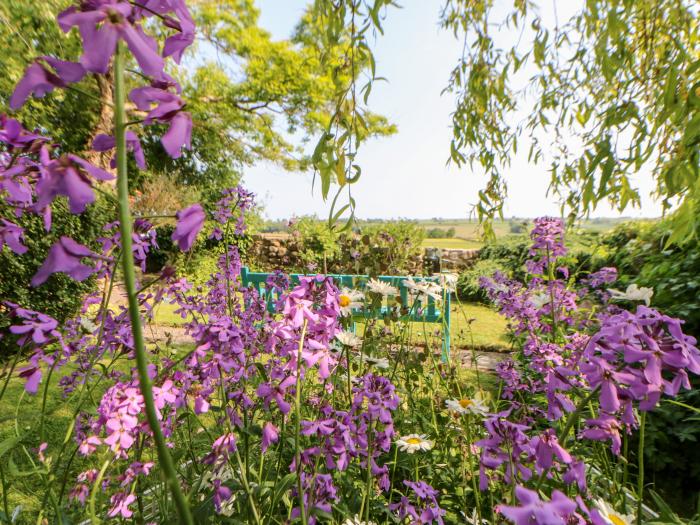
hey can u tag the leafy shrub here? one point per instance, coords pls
(391, 248)
(167, 250)
(468, 288)
(671, 452)
(517, 227)
(639, 252)
(60, 296)
(510, 254)
(440, 233)
(318, 244)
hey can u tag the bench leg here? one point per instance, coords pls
(446, 345)
(446, 328)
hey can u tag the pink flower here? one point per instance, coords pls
(270, 434)
(120, 505)
(89, 445)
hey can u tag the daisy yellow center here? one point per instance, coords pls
(344, 300)
(418, 441)
(616, 520)
(465, 403)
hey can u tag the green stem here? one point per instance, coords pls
(9, 373)
(297, 449)
(5, 505)
(125, 223)
(96, 489)
(640, 468)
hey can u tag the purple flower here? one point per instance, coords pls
(547, 447)
(67, 176)
(424, 510)
(270, 434)
(176, 44)
(66, 256)
(507, 445)
(101, 25)
(104, 142)
(604, 428)
(534, 511)
(11, 235)
(168, 110)
(189, 222)
(17, 138)
(548, 236)
(32, 376)
(576, 474)
(319, 492)
(40, 326)
(606, 275)
(45, 74)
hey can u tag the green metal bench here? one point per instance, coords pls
(429, 313)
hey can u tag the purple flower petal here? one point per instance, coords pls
(144, 49)
(99, 46)
(179, 135)
(65, 256)
(189, 222)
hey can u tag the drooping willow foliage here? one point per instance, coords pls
(603, 95)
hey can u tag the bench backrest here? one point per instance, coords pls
(429, 313)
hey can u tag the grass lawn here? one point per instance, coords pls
(164, 315)
(487, 331)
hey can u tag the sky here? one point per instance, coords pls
(405, 175)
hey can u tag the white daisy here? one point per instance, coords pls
(448, 280)
(349, 339)
(474, 518)
(611, 516)
(413, 443)
(378, 362)
(356, 520)
(228, 507)
(633, 293)
(424, 288)
(350, 300)
(541, 299)
(474, 405)
(382, 288)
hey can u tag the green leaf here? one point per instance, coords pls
(10, 443)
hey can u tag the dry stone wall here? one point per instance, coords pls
(272, 252)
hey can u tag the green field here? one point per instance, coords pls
(452, 243)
